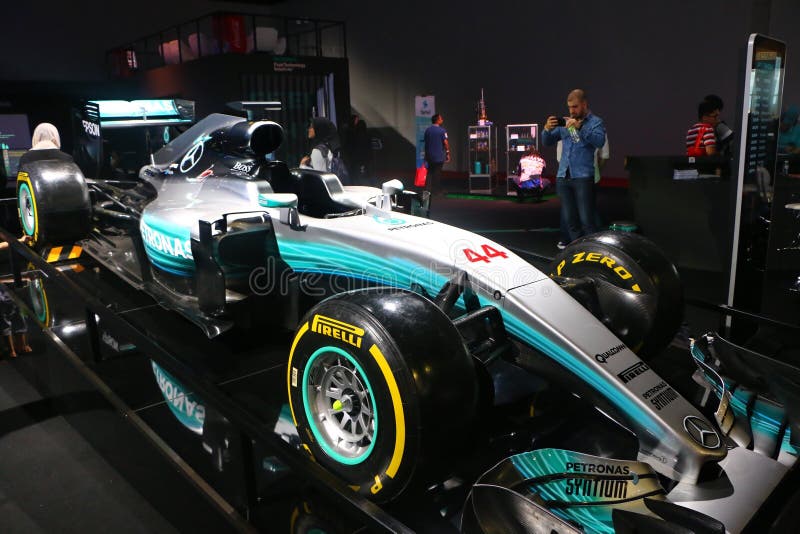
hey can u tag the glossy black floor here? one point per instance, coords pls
(71, 462)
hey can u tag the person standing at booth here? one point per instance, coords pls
(601, 157)
(701, 138)
(723, 134)
(437, 153)
(581, 134)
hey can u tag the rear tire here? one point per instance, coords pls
(380, 387)
(634, 263)
(53, 202)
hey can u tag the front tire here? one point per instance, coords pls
(380, 384)
(636, 265)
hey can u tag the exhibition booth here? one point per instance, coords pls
(297, 352)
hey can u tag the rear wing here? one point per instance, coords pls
(256, 110)
(95, 116)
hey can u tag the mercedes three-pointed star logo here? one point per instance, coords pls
(192, 157)
(701, 432)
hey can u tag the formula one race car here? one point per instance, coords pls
(399, 320)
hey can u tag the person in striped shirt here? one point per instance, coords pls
(701, 139)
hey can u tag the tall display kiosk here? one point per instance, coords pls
(519, 138)
(763, 91)
(481, 143)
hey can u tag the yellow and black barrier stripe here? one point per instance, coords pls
(57, 254)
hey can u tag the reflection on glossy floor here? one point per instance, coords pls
(75, 458)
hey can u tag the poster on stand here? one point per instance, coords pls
(424, 108)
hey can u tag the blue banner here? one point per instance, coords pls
(424, 109)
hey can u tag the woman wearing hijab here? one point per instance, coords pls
(45, 144)
(325, 140)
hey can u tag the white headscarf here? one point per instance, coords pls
(45, 136)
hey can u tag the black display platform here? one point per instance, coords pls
(248, 372)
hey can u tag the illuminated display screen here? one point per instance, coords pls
(118, 109)
(14, 131)
(764, 107)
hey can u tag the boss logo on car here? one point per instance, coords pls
(352, 335)
(91, 128)
(632, 372)
(603, 357)
(586, 487)
(244, 167)
(596, 257)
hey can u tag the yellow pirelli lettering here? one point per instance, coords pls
(330, 327)
(320, 320)
(577, 258)
(560, 267)
(593, 256)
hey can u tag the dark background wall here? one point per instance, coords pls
(644, 64)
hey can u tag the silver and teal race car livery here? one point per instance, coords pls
(398, 321)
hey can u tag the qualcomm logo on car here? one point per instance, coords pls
(388, 220)
(165, 244)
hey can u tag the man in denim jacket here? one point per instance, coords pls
(581, 134)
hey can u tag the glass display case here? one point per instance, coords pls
(481, 143)
(519, 137)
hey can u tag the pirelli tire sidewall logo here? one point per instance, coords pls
(333, 328)
(616, 269)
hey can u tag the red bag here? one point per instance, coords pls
(421, 176)
(696, 150)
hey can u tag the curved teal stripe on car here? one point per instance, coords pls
(167, 245)
(523, 332)
(345, 260)
(349, 261)
(767, 418)
(537, 464)
(764, 418)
